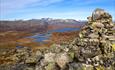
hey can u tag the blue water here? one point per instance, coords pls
(64, 30)
(18, 47)
(46, 36)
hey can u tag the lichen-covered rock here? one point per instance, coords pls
(50, 57)
(31, 60)
(62, 59)
(52, 66)
(96, 40)
(97, 14)
(75, 66)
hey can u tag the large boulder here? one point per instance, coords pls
(63, 59)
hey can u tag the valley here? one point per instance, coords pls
(37, 33)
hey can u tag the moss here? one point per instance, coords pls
(71, 54)
(87, 67)
(100, 68)
(113, 47)
(50, 66)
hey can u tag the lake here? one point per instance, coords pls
(46, 36)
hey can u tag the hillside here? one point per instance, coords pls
(12, 32)
(37, 25)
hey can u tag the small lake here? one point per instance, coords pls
(46, 36)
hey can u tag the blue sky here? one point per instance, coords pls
(66, 9)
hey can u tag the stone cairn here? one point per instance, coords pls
(94, 49)
(96, 42)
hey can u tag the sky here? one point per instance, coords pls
(57, 9)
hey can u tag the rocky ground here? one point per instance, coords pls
(93, 49)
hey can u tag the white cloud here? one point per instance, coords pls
(45, 2)
(12, 5)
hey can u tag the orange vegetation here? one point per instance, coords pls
(8, 39)
(61, 37)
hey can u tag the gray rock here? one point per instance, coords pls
(31, 60)
(76, 66)
(50, 57)
(93, 36)
(52, 66)
(62, 59)
(97, 14)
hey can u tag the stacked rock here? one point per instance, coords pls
(96, 41)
